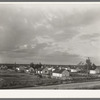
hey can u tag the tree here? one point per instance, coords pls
(38, 66)
(94, 67)
(32, 65)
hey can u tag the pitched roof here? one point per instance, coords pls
(98, 67)
(58, 70)
(40, 69)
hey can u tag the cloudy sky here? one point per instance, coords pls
(52, 34)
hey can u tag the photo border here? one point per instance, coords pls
(8, 95)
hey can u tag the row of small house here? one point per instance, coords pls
(53, 71)
(69, 68)
(48, 71)
(44, 71)
(58, 72)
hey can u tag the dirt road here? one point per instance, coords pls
(84, 85)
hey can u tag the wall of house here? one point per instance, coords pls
(97, 71)
(67, 68)
(39, 72)
(53, 69)
(45, 71)
(73, 70)
(56, 75)
(65, 74)
(92, 72)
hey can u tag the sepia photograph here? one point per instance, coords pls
(49, 46)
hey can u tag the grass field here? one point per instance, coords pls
(16, 80)
(9, 80)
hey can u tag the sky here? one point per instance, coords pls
(49, 33)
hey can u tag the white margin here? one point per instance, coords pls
(50, 93)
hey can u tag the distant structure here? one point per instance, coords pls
(91, 67)
(88, 62)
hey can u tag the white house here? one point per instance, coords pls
(63, 74)
(51, 68)
(95, 71)
(92, 72)
(43, 71)
(73, 70)
(67, 68)
(18, 69)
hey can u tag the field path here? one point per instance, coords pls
(82, 85)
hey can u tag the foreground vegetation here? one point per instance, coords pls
(19, 80)
(10, 80)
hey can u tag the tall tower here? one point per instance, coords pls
(88, 64)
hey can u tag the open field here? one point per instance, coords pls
(84, 85)
(14, 80)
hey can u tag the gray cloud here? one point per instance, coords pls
(43, 33)
(90, 36)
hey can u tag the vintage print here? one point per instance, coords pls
(50, 46)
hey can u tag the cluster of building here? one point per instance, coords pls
(60, 71)
(46, 71)
(53, 72)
